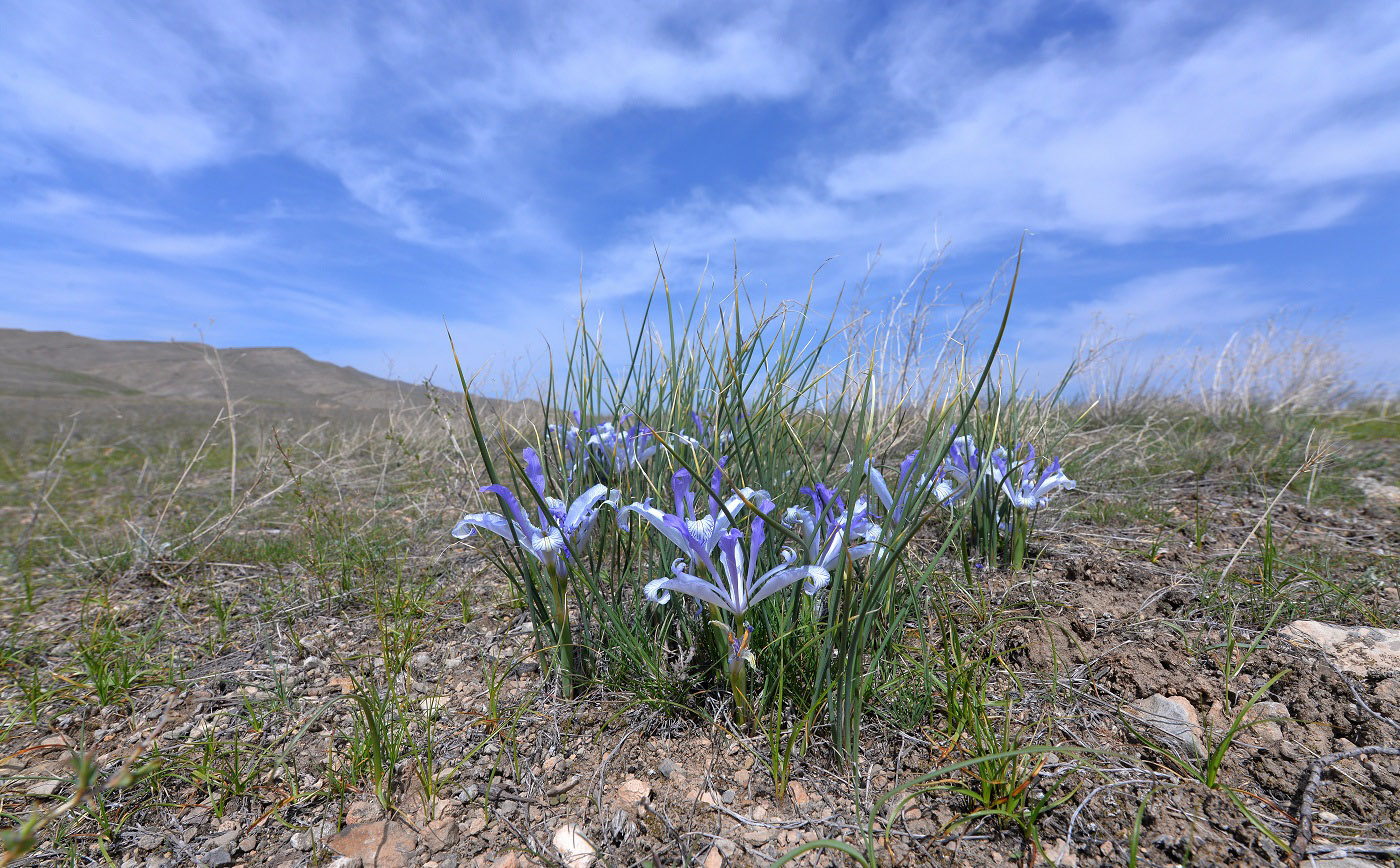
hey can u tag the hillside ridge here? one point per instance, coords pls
(56, 364)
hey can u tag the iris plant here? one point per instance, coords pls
(616, 447)
(939, 487)
(1023, 487)
(734, 584)
(728, 580)
(1026, 489)
(693, 532)
(719, 563)
(555, 541)
(621, 448)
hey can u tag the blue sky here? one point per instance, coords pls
(341, 177)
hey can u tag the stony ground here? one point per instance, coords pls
(390, 710)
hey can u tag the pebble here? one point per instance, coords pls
(390, 844)
(441, 834)
(1263, 718)
(632, 792)
(1173, 717)
(574, 849)
(668, 769)
(758, 835)
(1057, 855)
(216, 858)
(302, 842)
(797, 793)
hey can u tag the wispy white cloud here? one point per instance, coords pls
(604, 59)
(110, 86)
(121, 227)
(1115, 136)
(1165, 315)
(1182, 304)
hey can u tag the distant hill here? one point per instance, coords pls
(61, 365)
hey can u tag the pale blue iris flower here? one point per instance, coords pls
(702, 431)
(621, 448)
(568, 434)
(938, 486)
(961, 471)
(694, 532)
(1021, 483)
(560, 533)
(732, 583)
(617, 446)
(824, 529)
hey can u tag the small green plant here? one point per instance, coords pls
(222, 609)
(227, 769)
(114, 663)
(893, 802)
(1206, 770)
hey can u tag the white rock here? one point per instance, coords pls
(1377, 492)
(631, 792)
(1357, 651)
(1174, 717)
(574, 849)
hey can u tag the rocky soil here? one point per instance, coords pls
(1118, 659)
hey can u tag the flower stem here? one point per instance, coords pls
(738, 680)
(1018, 539)
(563, 636)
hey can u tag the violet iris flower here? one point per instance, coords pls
(622, 448)
(945, 485)
(569, 433)
(823, 529)
(703, 432)
(961, 471)
(560, 533)
(693, 532)
(1023, 486)
(732, 584)
(941, 489)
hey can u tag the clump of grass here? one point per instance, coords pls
(762, 396)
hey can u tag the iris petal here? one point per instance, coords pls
(783, 576)
(488, 521)
(658, 590)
